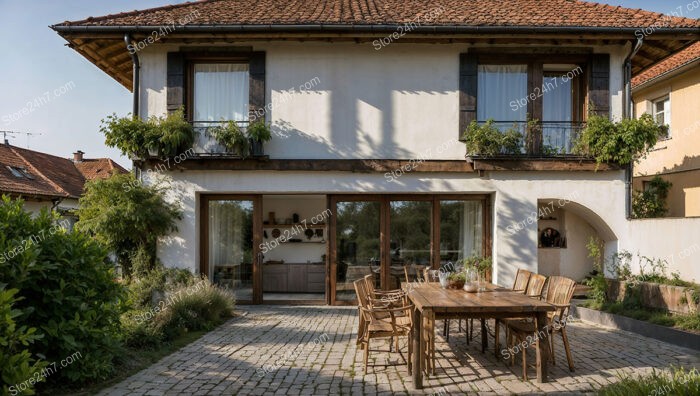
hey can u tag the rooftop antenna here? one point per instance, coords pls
(27, 134)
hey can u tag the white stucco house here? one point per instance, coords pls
(368, 103)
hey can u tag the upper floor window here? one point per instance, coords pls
(501, 90)
(513, 94)
(220, 92)
(662, 114)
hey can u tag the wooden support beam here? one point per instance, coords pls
(320, 165)
(544, 164)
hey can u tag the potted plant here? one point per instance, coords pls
(128, 134)
(176, 134)
(258, 132)
(155, 137)
(230, 135)
(488, 141)
(619, 142)
(456, 280)
(482, 265)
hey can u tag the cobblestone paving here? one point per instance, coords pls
(276, 350)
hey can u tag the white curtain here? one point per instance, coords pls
(471, 229)
(221, 92)
(227, 220)
(556, 107)
(500, 89)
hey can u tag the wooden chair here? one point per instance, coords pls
(378, 321)
(559, 293)
(385, 295)
(535, 285)
(522, 278)
(528, 283)
(427, 277)
(418, 271)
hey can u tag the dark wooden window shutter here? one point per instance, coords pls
(599, 85)
(467, 91)
(176, 81)
(256, 103)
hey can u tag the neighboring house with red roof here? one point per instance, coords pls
(670, 91)
(47, 181)
(368, 102)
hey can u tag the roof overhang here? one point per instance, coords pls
(104, 45)
(692, 65)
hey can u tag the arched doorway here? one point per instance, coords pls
(564, 228)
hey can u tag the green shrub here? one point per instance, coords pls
(68, 291)
(487, 140)
(651, 202)
(678, 382)
(176, 134)
(168, 135)
(619, 142)
(144, 287)
(689, 322)
(190, 308)
(17, 363)
(128, 217)
(138, 333)
(260, 131)
(597, 281)
(232, 137)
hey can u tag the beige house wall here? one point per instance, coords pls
(677, 159)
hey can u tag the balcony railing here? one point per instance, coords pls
(205, 145)
(545, 138)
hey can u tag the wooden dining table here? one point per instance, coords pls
(432, 302)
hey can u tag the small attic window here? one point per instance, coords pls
(20, 172)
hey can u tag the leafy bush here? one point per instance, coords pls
(128, 217)
(621, 142)
(232, 137)
(190, 308)
(144, 287)
(137, 333)
(488, 140)
(651, 202)
(131, 135)
(176, 134)
(259, 130)
(68, 292)
(17, 363)
(678, 382)
(597, 281)
(168, 135)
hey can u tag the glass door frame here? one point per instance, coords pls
(384, 231)
(204, 200)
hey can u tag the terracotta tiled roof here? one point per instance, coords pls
(100, 168)
(673, 62)
(44, 174)
(530, 13)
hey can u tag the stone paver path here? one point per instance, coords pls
(277, 350)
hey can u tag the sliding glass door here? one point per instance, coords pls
(357, 246)
(410, 224)
(461, 230)
(230, 252)
(387, 236)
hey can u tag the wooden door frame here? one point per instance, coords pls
(204, 200)
(384, 230)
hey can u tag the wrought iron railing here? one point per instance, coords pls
(545, 138)
(205, 144)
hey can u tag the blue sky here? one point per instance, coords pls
(35, 61)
